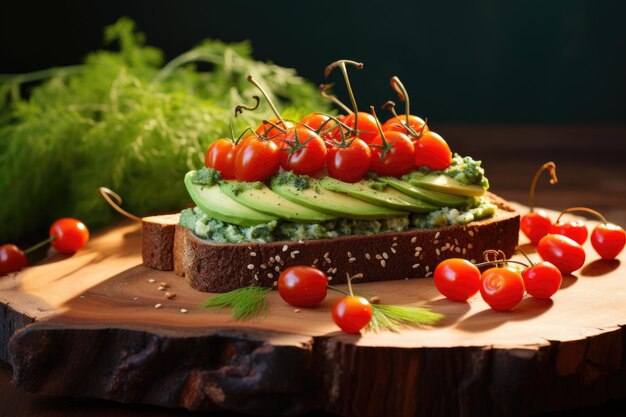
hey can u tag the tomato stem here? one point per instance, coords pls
(585, 210)
(385, 146)
(241, 107)
(38, 245)
(296, 145)
(324, 88)
(232, 132)
(341, 127)
(274, 125)
(525, 256)
(349, 279)
(399, 88)
(267, 97)
(499, 259)
(391, 106)
(342, 65)
(349, 283)
(243, 133)
(499, 262)
(107, 193)
(497, 254)
(551, 167)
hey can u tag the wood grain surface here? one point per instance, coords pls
(540, 357)
(97, 322)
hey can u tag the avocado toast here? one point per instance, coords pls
(242, 233)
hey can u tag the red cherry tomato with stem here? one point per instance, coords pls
(68, 235)
(392, 154)
(536, 225)
(501, 288)
(271, 130)
(561, 251)
(432, 151)
(366, 130)
(351, 313)
(303, 286)
(608, 240)
(12, 259)
(365, 124)
(457, 279)
(575, 230)
(323, 124)
(398, 124)
(349, 161)
(542, 280)
(221, 156)
(256, 159)
(303, 152)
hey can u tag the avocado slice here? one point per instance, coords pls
(338, 204)
(258, 196)
(212, 201)
(433, 197)
(445, 184)
(386, 197)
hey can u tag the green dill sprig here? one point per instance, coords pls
(396, 317)
(246, 303)
(124, 120)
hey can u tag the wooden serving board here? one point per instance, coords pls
(96, 333)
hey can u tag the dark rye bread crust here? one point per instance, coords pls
(157, 245)
(218, 267)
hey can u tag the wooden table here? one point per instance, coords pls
(595, 178)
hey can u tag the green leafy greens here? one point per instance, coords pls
(125, 121)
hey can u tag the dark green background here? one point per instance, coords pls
(483, 61)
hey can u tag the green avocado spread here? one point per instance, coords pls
(464, 170)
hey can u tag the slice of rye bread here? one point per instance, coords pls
(221, 267)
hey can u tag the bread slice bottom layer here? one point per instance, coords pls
(221, 267)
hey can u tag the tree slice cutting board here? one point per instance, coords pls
(96, 333)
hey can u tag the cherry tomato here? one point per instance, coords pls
(608, 240)
(457, 279)
(575, 230)
(501, 288)
(12, 259)
(305, 156)
(367, 128)
(221, 156)
(542, 280)
(432, 151)
(70, 235)
(350, 163)
(398, 160)
(302, 286)
(316, 120)
(398, 124)
(256, 159)
(272, 133)
(351, 313)
(535, 225)
(562, 252)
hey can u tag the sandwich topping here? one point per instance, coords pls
(326, 176)
(308, 197)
